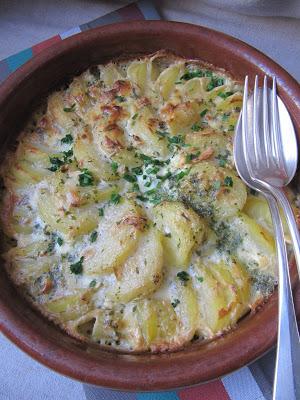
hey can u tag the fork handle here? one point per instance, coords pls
(287, 368)
(290, 219)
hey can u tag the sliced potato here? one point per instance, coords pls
(183, 229)
(255, 247)
(142, 272)
(213, 191)
(118, 238)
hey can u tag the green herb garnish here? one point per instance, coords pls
(121, 99)
(77, 267)
(93, 283)
(115, 198)
(192, 156)
(68, 139)
(203, 113)
(200, 279)
(130, 178)
(225, 95)
(56, 163)
(175, 303)
(86, 178)
(196, 127)
(101, 212)
(60, 241)
(228, 181)
(183, 276)
(114, 167)
(70, 109)
(162, 133)
(135, 116)
(93, 236)
(182, 174)
(215, 82)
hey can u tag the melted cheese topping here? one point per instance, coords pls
(130, 226)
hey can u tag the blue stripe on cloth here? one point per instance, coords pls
(241, 385)
(19, 59)
(97, 393)
(4, 70)
(70, 32)
(157, 396)
(148, 10)
(105, 20)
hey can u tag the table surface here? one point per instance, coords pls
(272, 29)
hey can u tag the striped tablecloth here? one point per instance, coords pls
(249, 383)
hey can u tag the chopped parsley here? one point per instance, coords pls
(175, 303)
(70, 109)
(182, 174)
(183, 276)
(93, 283)
(225, 95)
(231, 128)
(93, 236)
(152, 171)
(215, 82)
(130, 178)
(101, 212)
(197, 73)
(228, 181)
(56, 163)
(162, 133)
(177, 140)
(203, 113)
(223, 158)
(86, 178)
(60, 242)
(77, 267)
(200, 279)
(137, 170)
(135, 116)
(115, 198)
(196, 127)
(121, 99)
(114, 167)
(192, 156)
(68, 139)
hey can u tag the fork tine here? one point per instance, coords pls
(245, 136)
(275, 131)
(256, 137)
(267, 141)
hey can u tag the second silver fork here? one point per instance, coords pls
(253, 144)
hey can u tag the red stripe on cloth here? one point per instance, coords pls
(130, 12)
(210, 391)
(47, 43)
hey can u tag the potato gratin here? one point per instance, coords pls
(125, 221)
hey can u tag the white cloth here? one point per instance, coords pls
(273, 26)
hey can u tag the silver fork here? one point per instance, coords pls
(254, 139)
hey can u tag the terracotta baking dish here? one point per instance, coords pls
(197, 363)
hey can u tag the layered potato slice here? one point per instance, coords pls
(141, 273)
(258, 209)
(142, 128)
(213, 191)
(118, 238)
(183, 230)
(69, 208)
(254, 246)
(223, 292)
(88, 157)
